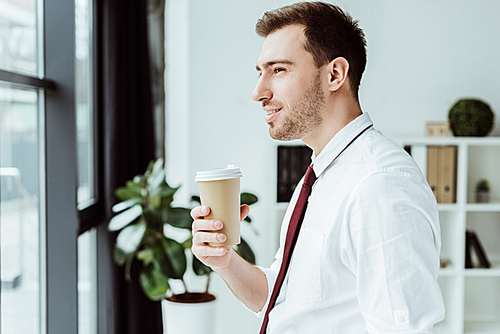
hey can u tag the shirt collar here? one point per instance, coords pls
(339, 142)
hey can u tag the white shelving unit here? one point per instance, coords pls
(471, 296)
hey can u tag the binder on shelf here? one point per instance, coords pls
(468, 257)
(441, 172)
(475, 244)
(448, 167)
(432, 169)
(472, 244)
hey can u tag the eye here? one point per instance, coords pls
(278, 70)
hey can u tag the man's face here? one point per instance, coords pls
(289, 86)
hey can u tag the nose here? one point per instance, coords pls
(262, 90)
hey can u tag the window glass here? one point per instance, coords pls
(87, 299)
(18, 36)
(19, 211)
(84, 104)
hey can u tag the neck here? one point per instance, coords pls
(335, 117)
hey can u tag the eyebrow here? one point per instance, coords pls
(274, 62)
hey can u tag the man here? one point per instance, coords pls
(367, 255)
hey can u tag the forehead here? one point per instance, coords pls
(284, 44)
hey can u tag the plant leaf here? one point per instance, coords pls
(167, 191)
(170, 257)
(124, 194)
(245, 251)
(130, 238)
(157, 166)
(247, 198)
(146, 256)
(166, 196)
(188, 243)
(127, 204)
(153, 218)
(135, 187)
(157, 177)
(153, 282)
(199, 268)
(119, 256)
(179, 217)
(123, 219)
(138, 179)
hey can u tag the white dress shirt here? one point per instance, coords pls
(367, 256)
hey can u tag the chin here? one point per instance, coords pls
(278, 135)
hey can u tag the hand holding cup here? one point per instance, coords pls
(207, 231)
(217, 221)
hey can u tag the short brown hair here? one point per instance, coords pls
(329, 32)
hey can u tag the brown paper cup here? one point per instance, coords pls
(223, 198)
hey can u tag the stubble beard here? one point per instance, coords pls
(303, 117)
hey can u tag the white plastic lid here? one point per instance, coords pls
(230, 172)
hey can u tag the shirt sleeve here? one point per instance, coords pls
(393, 245)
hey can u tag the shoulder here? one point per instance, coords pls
(391, 178)
(383, 155)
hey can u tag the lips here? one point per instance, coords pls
(271, 114)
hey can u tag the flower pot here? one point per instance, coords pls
(482, 196)
(189, 313)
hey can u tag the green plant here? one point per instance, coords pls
(471, 117)
(483, 185)
(144, 210)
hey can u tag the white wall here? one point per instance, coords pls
(422, 57)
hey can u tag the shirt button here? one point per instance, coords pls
(400, 318)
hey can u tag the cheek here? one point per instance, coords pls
(289, 92)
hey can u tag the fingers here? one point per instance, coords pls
(206, 237)
(200, 211)
(204, 251)
(204, 232)
(206, 225)
(244, 211)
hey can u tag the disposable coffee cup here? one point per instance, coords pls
(220, 190)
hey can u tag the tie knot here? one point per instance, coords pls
(310, 177)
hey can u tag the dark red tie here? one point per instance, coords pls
(291, 239)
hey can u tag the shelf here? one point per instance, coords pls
(471, 207)
(472, 141)
(471, 296)
(482, 327)
(483, 207)
(448, 207)
(494, 271)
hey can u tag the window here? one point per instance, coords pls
(38, 217)
(84, 102)
(20, 184)
(19, 210)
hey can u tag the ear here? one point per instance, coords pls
(338, 69)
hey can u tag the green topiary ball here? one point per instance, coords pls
(470, 117)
